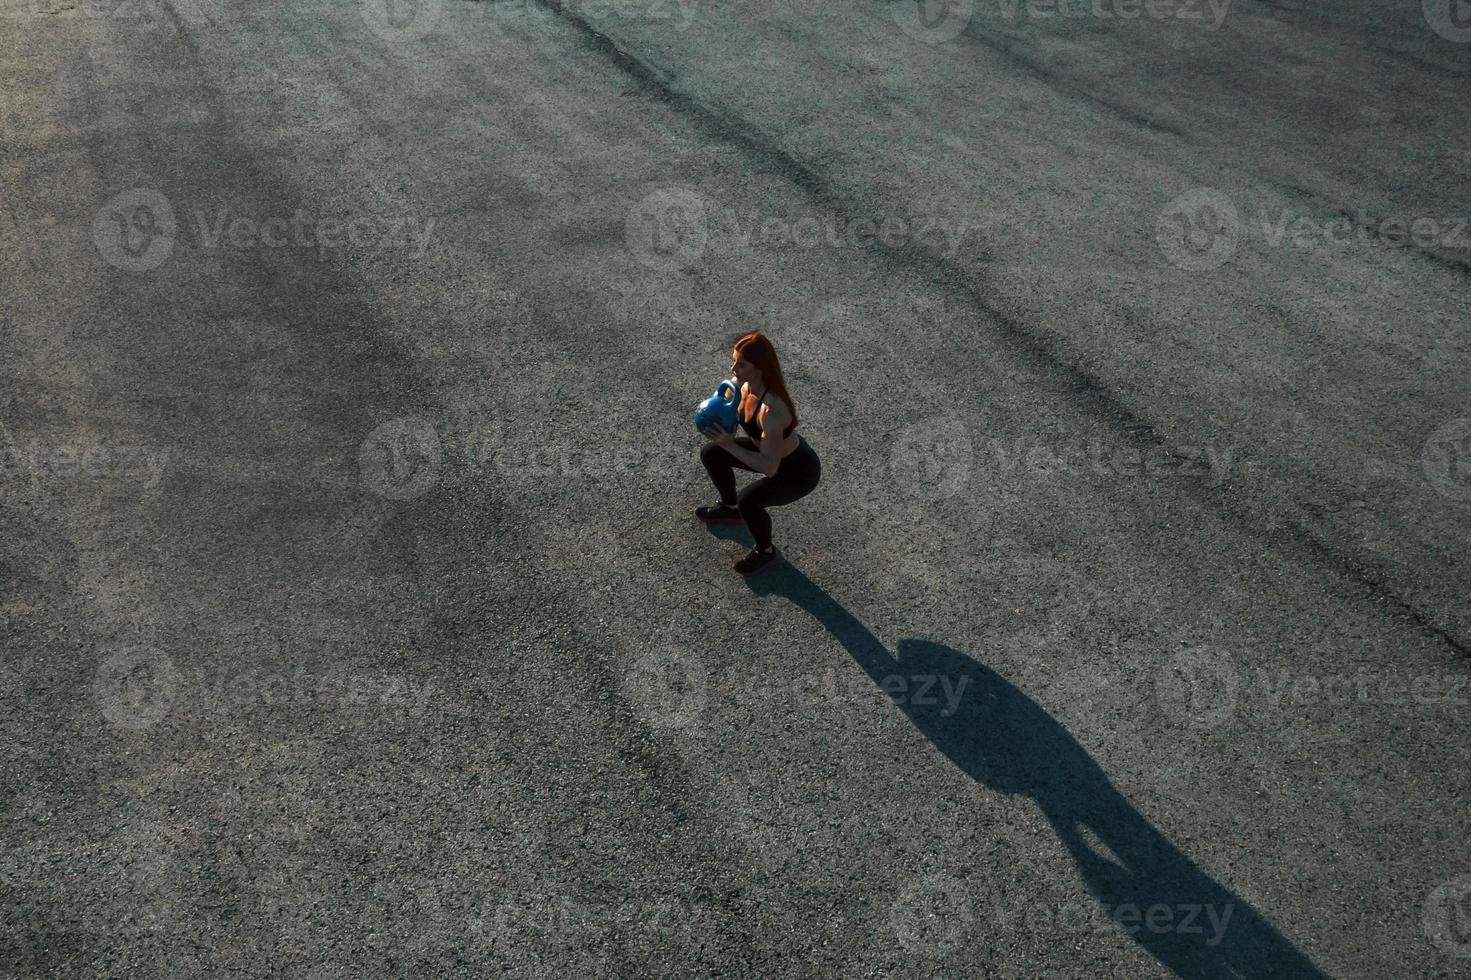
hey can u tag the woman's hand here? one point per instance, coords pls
(717, 435)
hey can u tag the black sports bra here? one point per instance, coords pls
(753, 428)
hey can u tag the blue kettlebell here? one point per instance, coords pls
(719, 409)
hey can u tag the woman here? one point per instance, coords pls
(771, 447)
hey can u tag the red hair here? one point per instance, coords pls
(757, 349)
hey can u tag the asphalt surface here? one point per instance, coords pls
(355, 622)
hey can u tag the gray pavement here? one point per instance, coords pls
(355, 620)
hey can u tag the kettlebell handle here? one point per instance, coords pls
(734, 391)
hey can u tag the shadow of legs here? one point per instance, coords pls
(1004, 740)
(732, 532)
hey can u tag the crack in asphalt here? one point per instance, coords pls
(1092, 395)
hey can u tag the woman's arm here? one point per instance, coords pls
(762, 461)
(766, 461)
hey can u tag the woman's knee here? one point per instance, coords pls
(753, 512)
(713, 455)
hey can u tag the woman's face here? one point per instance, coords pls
(744, 371)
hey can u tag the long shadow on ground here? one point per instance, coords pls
(1004, 740)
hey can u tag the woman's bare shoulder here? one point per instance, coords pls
(776, 409)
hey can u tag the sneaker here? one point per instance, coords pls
(720, 514)
(756, 561)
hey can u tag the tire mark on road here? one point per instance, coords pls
(1439, 256)
(1085, 388)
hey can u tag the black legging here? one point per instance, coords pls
(794, 479)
